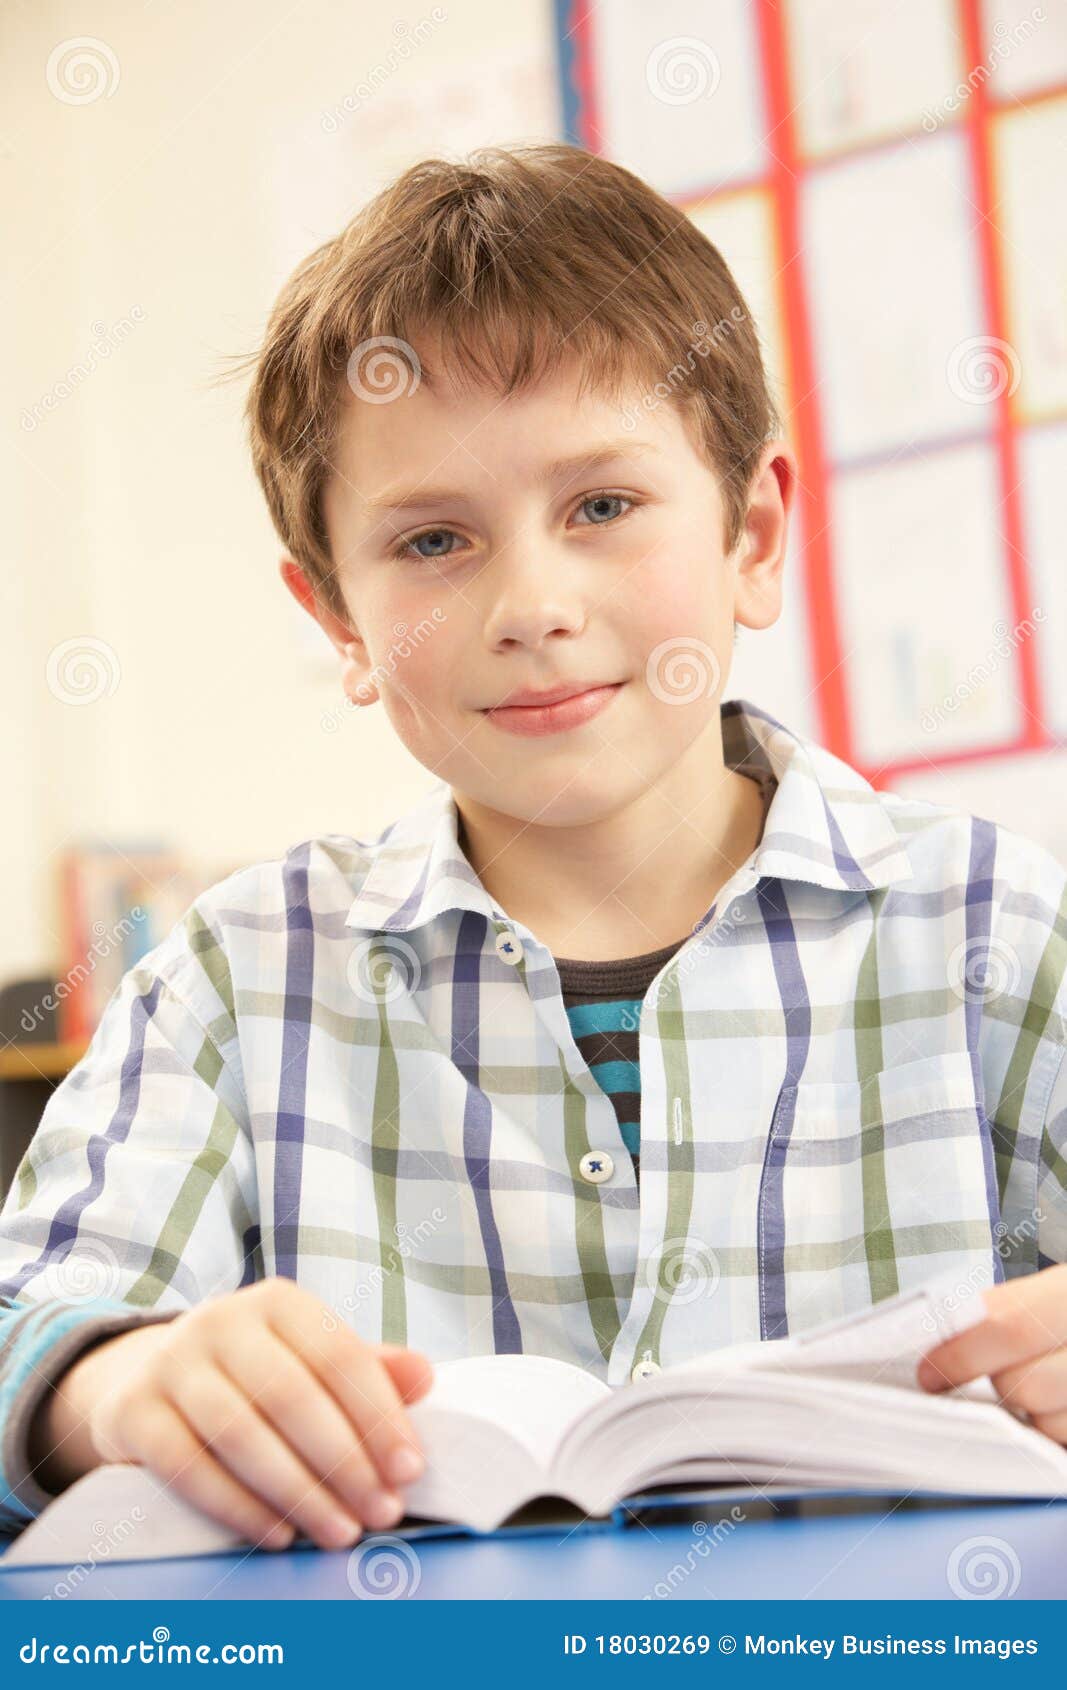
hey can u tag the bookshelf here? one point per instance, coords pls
(40, 1061)
(29, 1073)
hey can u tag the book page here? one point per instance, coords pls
(883, 1343)
(886, 1342)
(120, 1512)
(535, 1398)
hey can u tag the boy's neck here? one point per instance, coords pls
(634, 882)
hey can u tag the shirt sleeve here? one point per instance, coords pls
(137, 1197)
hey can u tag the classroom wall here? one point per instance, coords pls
(156, 676)
(886, 184)
(155, 226)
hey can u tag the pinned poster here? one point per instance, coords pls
(1028, 151)
(931, 666)
(886, 190)
(677, 92)
(895, 299)
(868, 71)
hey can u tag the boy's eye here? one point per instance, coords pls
(435, 536)
(603, 504)
(597, 501)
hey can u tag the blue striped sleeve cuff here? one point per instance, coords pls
(38, 1342)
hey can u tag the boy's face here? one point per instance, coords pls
(521, 562)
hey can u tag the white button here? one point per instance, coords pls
(645, 1369)
(509, 946)
(596, 1165)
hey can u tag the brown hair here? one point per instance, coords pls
(511, 261)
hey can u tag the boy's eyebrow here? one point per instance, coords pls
(609, 451)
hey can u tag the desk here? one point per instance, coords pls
(875, 1552)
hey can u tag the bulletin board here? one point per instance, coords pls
(886, 184)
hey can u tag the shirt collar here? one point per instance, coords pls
(826, 826)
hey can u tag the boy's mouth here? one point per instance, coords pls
(552, 711)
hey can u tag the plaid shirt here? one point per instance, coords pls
(352, 1067)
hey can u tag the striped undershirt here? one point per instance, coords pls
(603, 1002)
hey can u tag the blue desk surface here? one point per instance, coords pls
(881, 1550)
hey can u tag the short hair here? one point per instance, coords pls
(511, 261)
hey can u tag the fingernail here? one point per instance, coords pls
(384, 1508)
(404, 1465)
(341, 1530)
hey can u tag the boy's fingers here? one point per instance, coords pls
(1038, 1387)
(968, 1356)
(169, 1448)
(288, 1394)
(410, 1371)
(352, 1371)
(1024, 1318)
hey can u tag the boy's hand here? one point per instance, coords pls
(261, 1409)
(1021, 1343)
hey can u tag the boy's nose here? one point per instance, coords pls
(529, 611)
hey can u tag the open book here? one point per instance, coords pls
(835, 1408)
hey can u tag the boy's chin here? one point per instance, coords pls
(548, 804)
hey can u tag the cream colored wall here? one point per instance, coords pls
(158, 222)
(154, 225)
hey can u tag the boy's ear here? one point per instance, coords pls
(355, 667)
(761, 550)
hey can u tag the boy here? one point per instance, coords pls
(652, 1029)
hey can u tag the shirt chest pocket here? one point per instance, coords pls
(879, 1183)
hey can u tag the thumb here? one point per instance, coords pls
(410, 1371)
